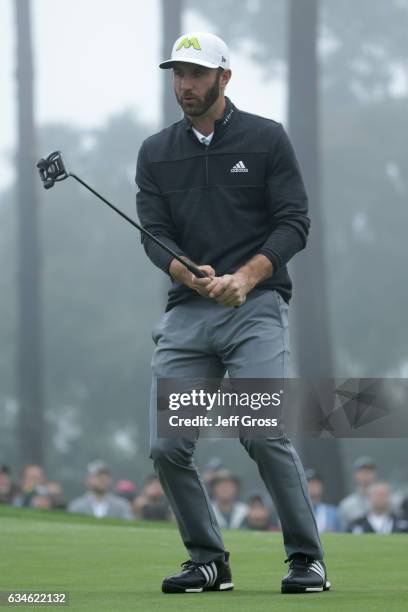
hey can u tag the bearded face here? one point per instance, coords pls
(197, 88)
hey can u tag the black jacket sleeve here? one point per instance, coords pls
(154, 215)
(287, 203)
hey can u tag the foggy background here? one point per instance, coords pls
(78, 295)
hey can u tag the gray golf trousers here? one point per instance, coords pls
(200, 338)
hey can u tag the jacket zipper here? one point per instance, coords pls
(206, 165)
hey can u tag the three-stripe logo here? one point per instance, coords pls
(209, 571)
(318, 568)
(239, 167)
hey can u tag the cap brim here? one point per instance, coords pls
(171, 63)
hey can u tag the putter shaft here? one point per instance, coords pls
(190, 266)
(53, 169)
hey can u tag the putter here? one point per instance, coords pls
(52, 169)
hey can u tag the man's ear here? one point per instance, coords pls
(225, 77)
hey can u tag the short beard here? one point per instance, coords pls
(211, 96)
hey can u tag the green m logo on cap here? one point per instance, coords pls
(189, 42)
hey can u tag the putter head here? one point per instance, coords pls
(52, 169)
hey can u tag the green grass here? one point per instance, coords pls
(111, 565)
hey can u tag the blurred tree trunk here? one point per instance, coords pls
(312, 330)
(29, 359)
(172, 15)
(172, 12)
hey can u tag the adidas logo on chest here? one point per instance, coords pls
(239, 167)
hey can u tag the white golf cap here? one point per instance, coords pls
(200, 48)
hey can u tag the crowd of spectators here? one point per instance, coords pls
(370, 508)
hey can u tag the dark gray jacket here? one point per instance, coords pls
(221, 204)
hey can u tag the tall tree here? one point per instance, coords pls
(29, 361)
(314, 355)
(312, 328)
(172, 15)
(363, 48)
(171, 29)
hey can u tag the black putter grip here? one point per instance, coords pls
(193, 269)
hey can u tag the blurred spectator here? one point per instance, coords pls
(210, 472)
(326, 515)
(379, 518)
(8, 489)
(40, 498)
(228, 510)
(356, 505)
(260, 516)
(125, 489)
(98, 501)
(48, 497)
(404, 509)
(32, 476)
(152, 504)
(56, 495)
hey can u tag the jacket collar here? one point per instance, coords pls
(221, 124)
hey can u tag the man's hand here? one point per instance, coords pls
(182, 275)
(201, 285)
(230, 289)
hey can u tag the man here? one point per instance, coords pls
(56, 494)
(125, 489)
(98, 501)
(8, 489)
(152, 504)
(379, 518)
(261, 516)
(326, 515)
(222, 188)
(355, 505)
(32, 476)
(229, 511)
(210, 472)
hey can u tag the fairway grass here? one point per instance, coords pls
(112, 565)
